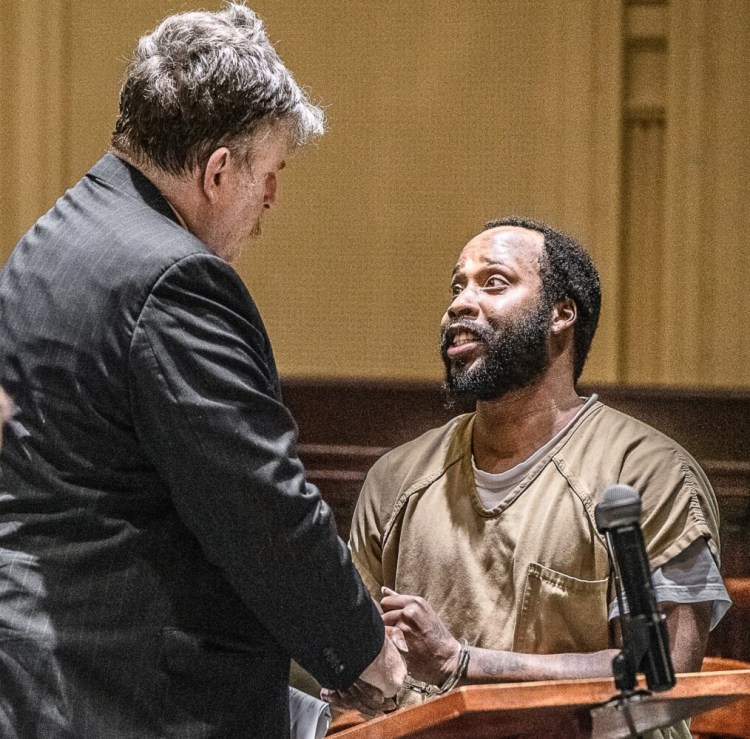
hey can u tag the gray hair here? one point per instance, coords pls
(204, 80)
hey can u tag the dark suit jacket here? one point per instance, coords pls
(161, 555)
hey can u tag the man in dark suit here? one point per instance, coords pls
(161, 555)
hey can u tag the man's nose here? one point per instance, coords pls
(464, 304)
(271, 190)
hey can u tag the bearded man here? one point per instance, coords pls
(161, 555)
(479, 537)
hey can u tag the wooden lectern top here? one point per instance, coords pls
(561, 708)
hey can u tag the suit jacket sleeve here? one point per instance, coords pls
(206, 406)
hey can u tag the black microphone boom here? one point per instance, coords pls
(644, 628)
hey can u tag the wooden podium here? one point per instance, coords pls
(565, 708)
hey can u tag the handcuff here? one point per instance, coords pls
(458, 673)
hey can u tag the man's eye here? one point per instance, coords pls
(495, 283)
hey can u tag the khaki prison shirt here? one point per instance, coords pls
(531, 575)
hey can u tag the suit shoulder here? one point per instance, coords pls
(208, 275)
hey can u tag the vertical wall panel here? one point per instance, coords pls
(32, 112)
(643, 231)
(585, 89)
(602, 209)
(707, 219)
(641, 264)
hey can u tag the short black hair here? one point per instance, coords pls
(567, 272)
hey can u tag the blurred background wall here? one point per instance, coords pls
(624, 122)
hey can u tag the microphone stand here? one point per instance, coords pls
(635, 643)
(640, 635)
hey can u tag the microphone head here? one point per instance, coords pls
(620, 506)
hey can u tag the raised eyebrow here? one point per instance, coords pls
(501, 268)
(498, 266)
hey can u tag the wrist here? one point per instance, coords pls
(459, 670)
(449, 680)
(449, 665)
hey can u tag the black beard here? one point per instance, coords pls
(516, 355)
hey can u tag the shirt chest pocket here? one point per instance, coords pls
(560, 613)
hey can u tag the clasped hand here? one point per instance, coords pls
(416, 639)
(432, 652)
(374, 692)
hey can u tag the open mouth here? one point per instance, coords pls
(460, 341)
(463, 337)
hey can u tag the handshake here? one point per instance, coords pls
(375, 691)
(417, 643)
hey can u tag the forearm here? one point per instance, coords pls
(688, 626)
(491, 666)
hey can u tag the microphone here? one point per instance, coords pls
(644, 629)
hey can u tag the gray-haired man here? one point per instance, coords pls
(161, 556)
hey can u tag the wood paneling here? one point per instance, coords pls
(707, 218)
(33, 112)
(710, 424)
(645, 117)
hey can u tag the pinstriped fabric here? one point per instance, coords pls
(161, 555)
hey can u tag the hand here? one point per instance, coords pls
(6, 410)
(433, 651)
(388, 670)
(361, 697)
(375, 690)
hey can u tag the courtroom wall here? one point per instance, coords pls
(623, 122)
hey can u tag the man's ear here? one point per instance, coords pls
(564, 315)
(215, 173)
